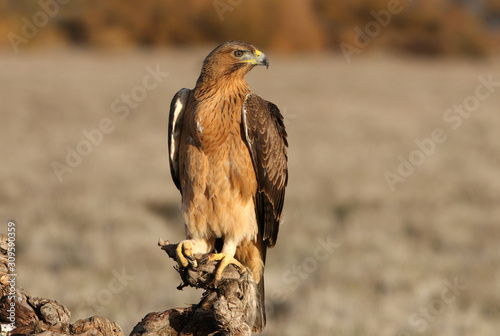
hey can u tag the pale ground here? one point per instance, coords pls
(347, 126)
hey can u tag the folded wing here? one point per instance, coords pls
(265, 136)
(176, 115)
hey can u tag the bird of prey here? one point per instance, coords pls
(228, 158)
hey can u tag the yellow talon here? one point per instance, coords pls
(184, 251)
(225, 259)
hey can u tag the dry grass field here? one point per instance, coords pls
(357, 255)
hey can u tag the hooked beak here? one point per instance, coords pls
(261, 59)
(258, 58)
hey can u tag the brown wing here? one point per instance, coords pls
(175, 118)
(264, 134)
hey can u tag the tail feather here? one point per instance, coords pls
(260, 309)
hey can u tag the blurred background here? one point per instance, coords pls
(425, 27)
(393, 206)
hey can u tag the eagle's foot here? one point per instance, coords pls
(225, 259)
(185, 254)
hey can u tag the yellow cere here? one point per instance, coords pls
(253, 60)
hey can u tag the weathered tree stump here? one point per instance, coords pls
(225, 309)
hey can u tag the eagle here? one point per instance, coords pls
(228, 158)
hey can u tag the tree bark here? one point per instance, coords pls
(227, 308)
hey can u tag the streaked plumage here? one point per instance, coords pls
(228, 158)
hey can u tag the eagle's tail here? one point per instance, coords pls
(260, 309)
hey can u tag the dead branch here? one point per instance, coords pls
(228, 309)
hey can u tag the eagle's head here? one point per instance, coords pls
(232, 59)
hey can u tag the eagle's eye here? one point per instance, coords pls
(238, 53)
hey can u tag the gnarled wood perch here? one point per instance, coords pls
(228, 309)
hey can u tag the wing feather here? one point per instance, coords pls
(266, 139)
(175, 119)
